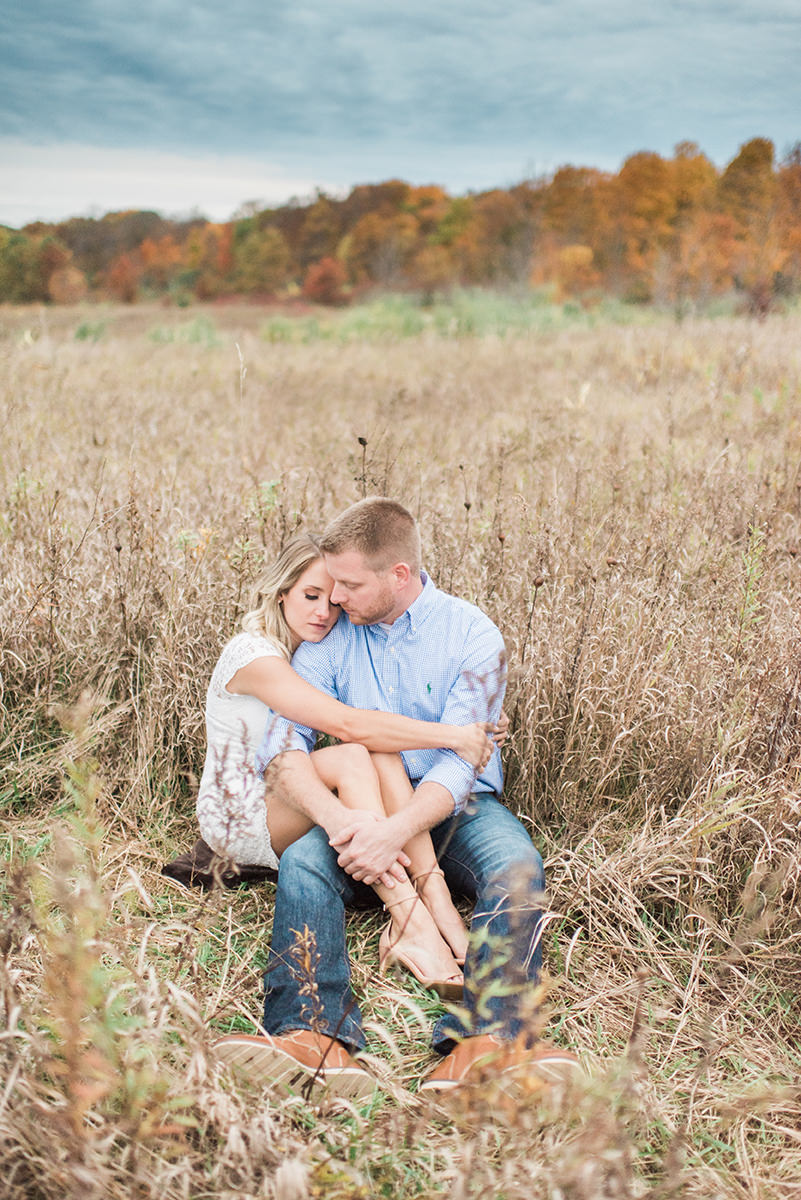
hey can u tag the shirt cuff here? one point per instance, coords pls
(454, 779)
(276, 743)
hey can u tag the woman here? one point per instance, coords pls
(254, 680)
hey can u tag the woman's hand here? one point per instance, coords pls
(472, 743)
(475, 743)
(501, 732)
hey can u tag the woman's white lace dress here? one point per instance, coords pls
(230, 805)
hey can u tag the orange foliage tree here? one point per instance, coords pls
(496, 246)
(27, 264)
(702, 263)
(209, 260)
(788, 198)
(577, 274)
(671, 230)
(432, 270)
(319, 234)
(747, 192)
(67, 285)
(641, 218)
(380, 247)
(160, 258)
(570, 205)
(428, 205)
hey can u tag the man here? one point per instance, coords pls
(401, 645)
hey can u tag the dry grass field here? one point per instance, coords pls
(624, 500)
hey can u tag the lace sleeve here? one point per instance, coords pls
(240, 651)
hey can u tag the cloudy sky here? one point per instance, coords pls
(200, 105)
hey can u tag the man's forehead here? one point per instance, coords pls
(348, 564)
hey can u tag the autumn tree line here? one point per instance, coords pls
(676, 231)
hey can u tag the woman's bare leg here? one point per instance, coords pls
(348, 771)
(396, 792)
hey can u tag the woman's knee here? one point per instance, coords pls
(345, 764)
(352, 756)
(384, 761)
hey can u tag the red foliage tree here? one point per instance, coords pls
(325, 281)
(122, 279)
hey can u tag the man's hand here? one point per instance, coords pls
(370, 848)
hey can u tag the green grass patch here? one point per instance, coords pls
(469, 313)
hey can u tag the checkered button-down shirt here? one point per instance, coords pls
(442, 660)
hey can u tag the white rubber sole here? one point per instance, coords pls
(555, 1069)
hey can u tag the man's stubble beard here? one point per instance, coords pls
(382, 610)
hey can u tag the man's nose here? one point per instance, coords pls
(337, 594)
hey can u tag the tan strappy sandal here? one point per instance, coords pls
(419, 884)
(391, 955)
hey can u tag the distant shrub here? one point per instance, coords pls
(465, 313)
(278, 329)
(325, 281)
(90, 331)
(67, 285)
(200, 331)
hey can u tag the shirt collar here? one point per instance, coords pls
(422, 605)
(413, 617)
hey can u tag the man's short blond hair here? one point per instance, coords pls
(380, 529)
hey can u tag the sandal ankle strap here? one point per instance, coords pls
(388, 904)
(425, 874)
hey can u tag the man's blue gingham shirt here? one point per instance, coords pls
(442, 660)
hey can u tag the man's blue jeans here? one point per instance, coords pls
(487, 855)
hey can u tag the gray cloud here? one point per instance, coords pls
(345, 90)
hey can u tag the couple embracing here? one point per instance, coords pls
(388, 663)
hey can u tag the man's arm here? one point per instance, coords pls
(298, 784)
(476, 695)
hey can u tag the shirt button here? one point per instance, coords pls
(392, 689)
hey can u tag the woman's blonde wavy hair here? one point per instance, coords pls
(266, 618)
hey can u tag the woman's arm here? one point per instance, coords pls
(272, 680)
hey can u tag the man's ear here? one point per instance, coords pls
(401, 573)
